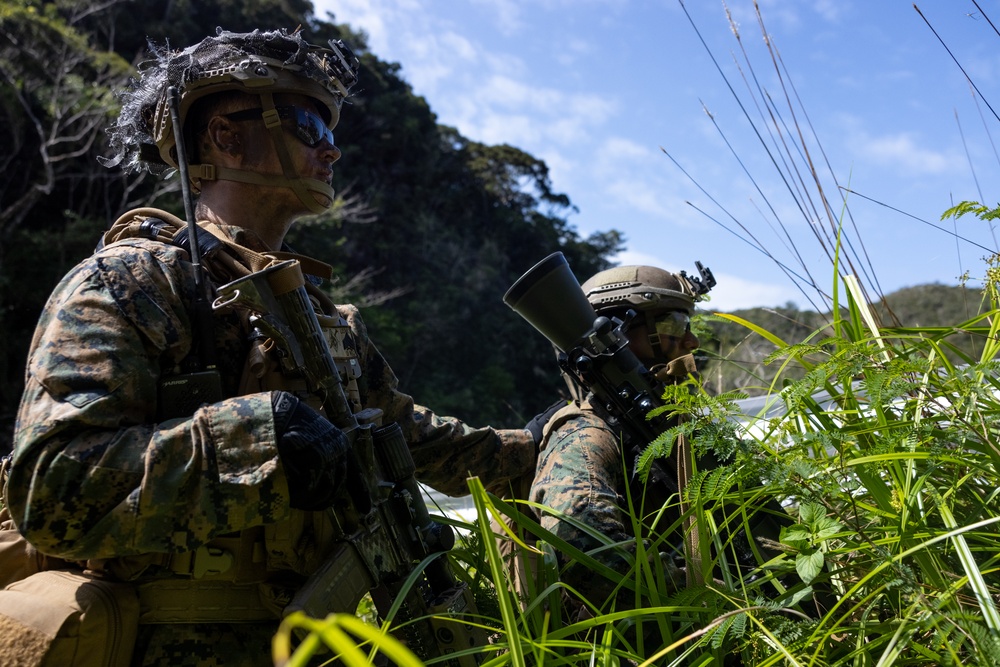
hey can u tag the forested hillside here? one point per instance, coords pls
(733, 357)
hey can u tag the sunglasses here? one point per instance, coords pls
(307, 126)
(674, 324)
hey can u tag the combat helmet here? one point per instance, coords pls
(644, 288)
(647, 290)
(261, 63)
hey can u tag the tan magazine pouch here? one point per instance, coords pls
(63, 618)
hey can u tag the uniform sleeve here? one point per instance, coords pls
(94, 474)
(446, 450)
(578, 476)
(579, 472)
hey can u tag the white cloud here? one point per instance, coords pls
(502, 90)
(641, 196)
(777, 14)
(902, 151)
(457, 46)
(502, 110)
(620, 148)
(734, 293)
(831, 10)
(508, 14)
(490, 96)
(572, 50)
(632, 178)
(437, 60)
(492, 128)
(983, 69)
(634, 257)
(371, 16)
(781, 17)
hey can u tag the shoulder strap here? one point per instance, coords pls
(147, 223)
(159, 225)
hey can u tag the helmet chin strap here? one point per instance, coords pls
(306, 189)
(677, 370)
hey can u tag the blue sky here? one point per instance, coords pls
(618, 96)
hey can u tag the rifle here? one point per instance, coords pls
(594, 352)
(384, 529)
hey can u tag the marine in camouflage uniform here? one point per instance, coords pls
(101, 478)
(581, 471)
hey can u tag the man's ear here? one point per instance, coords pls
(222, 136)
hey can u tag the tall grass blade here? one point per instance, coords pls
(495, 562)
(972, 571)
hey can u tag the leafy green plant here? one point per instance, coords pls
(808, 538)
(342, 634)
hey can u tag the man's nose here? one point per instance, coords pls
(331, 152)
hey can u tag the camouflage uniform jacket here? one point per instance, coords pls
(582, 475)
(96, 476)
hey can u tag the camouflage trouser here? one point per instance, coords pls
(205, 645)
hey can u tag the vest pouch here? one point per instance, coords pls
(66, 618)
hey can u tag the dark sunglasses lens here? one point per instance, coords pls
(310, 128)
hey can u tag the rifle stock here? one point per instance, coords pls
(384, 527)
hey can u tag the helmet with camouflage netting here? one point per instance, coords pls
(646, 288)
(259, 63)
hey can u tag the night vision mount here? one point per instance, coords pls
(702, 285)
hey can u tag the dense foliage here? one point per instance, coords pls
(429, 231)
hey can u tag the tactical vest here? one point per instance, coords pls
(250, 575)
